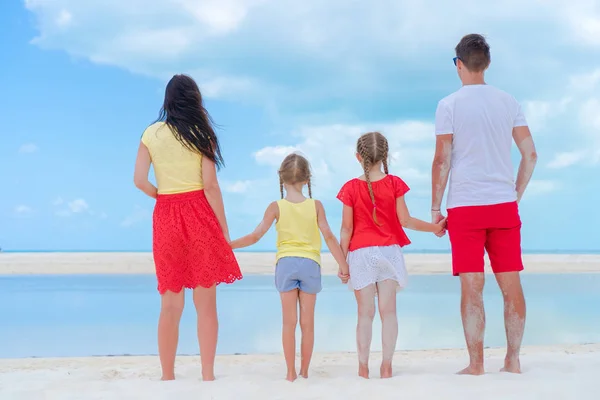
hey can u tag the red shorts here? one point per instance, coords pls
(494, 228)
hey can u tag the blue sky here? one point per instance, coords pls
(81, 80)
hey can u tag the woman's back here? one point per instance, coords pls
(177, 168)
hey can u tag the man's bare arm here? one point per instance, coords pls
(440, 170)
(524, 141)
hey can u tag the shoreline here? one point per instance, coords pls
(262, 263)
(490, 353)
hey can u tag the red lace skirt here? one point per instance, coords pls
(188, 245)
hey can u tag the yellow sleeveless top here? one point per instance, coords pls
(297, 230)
(176, 168)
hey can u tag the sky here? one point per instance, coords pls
(80, 81)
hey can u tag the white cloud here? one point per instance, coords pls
(540, 187)
(540, 113)
(64, 18)
(331, 151)
(237, 186)
(324, 52)
(566, 159)
(138, 215)
(78, 206)
(28, 148)
(273, 155)
(68, 208)
(575, 116)
(23, 210)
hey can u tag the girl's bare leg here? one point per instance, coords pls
(365, 299)
(205, 301)
(168, 331)
(307, 325)
(289, 308)
(389, 323)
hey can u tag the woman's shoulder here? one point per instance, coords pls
(151, 131)
(155, 126)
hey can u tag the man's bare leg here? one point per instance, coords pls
(289, 309)
(473, 319)
(365, 299)
(514, 318)
(307, 325)
(389, 323)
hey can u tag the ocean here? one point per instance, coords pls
(93, 315)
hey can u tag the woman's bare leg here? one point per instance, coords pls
(307, 325)
(365, 299)
(289, 308)
(205, 300)
(386, 292)
(168, 331)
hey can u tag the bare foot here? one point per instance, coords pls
(304, 374)
(167, 378)
(512, 366)
(386, 370)
(291, 376)
(363, 371)
(208, 377)
(472, 370)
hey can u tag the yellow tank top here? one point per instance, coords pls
(297, 230)
(177, 169)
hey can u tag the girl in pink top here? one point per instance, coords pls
(373, 219)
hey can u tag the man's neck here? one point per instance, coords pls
(473, 79)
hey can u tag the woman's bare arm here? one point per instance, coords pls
(212, 190)
(271, 214)
(142, 169)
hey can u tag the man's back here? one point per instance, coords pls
(481, 119)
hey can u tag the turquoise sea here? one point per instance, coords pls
(86, 315)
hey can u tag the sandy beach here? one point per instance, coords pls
(549, 373)
(259, 263)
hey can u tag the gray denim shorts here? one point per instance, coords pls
(298, 273)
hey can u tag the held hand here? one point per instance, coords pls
(344, 276)
(439, 219)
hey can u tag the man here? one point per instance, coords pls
(474, 130)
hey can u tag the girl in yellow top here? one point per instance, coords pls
(298, 272)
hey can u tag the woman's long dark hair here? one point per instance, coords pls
(183, 111)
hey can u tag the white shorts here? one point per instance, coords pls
(370, 265)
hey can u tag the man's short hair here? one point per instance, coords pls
(474, 52)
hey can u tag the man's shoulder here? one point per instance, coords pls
(500, 92)
(449, 99)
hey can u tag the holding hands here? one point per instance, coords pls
(344, 272)
(438, 219)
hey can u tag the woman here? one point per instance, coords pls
(190, 239)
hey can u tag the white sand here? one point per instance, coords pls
(549, 373)
(256, 263)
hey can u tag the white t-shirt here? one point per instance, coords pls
(481, 118)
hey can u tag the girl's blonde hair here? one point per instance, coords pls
(373, 148)
(295, 169)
